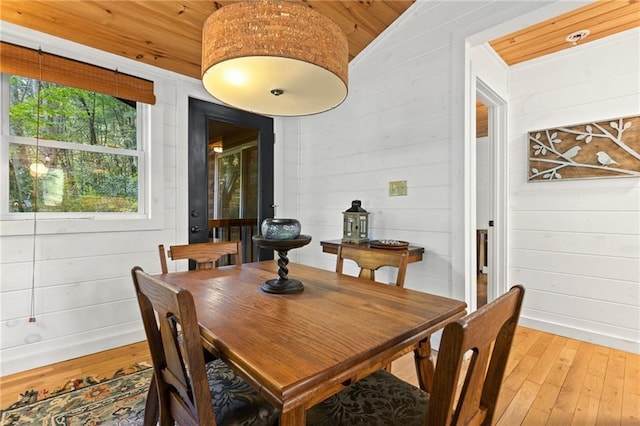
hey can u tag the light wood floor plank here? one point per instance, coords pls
(589, 401)
(520, 405)
(617, 364)
(599, 361)
(541, 344)
(610, 408)
(559, 417)
(545, 363)
(611, 400)
(631, 393)
(506, 396)
(520, 373)
(523, 340)
(561, 366)
(567, 399)
(542, 405)
(572, 343)
(551, 387)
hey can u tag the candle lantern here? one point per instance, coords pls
(355, 224)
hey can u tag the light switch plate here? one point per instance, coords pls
(397, 188)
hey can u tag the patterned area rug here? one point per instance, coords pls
(87, 401)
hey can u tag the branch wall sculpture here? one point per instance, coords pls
(609, 148)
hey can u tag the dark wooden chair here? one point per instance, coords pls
(485, 336)
(206, 255)
(370, 259)
(190, 392)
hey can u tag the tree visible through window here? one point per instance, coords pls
(70, 150)
(237, 183)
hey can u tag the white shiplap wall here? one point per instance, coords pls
(575, 245)
(404, 119)
(84, 298)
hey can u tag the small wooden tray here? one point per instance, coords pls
(389, 244)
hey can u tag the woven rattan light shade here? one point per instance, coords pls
(274, 58)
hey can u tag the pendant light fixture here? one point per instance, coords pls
(37, 168)
(274, 58)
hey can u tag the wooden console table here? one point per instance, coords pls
(331, 246)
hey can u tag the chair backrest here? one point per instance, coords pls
(486, 335)
(178, 360)
(206, 255)
(371, 259)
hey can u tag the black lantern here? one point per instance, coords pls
(355, 224)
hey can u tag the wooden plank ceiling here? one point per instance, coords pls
(601, 19)
(167, 33)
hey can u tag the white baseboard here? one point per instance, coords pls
(590, 336)
(27, 357)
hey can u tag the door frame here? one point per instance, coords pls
(497, 234)
(200, 113)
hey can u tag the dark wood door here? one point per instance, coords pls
(201, 114)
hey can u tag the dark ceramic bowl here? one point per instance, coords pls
(280, 229)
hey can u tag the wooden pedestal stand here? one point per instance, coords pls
(283, 284)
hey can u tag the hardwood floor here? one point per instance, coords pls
(481, 289)
(551, 380)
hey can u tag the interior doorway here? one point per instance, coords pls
(491, 194)
(484, 195)
(230, 175)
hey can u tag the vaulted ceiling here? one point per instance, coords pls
(167, 33)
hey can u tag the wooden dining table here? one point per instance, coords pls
(298, 349)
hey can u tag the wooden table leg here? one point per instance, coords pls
(294, 417)
(425, 368)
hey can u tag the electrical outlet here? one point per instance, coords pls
(397, 188)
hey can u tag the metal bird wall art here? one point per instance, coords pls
(604, 159)
(609, 148)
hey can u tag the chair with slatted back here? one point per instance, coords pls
(205, 255)
(485, 336)
(189, 391)
(370, 259)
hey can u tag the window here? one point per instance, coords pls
(235, 179)
(69, 150)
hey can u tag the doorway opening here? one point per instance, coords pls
(483, 200)
(491, 193)
(230, 176)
